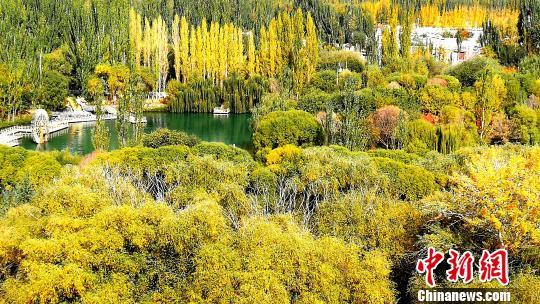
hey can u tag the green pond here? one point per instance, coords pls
(233, 129)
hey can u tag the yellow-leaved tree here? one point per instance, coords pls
(495, 204)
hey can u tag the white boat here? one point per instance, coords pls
(221, 111)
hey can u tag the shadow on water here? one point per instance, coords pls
(233, 129)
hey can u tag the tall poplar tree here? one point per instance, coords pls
(176, 46)
(135, 37)
(193, 51)
(184, 49)
(264, 55)
(250, 67)
(312, 46)
(204, 49)
(147, 44)
(405, 39)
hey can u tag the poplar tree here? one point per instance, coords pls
(204, 48)
(222, 56)
(184, 49)
(135, 36)
(213, 51)
(193, 51)
(239, 51)
(199, 51)
(263, 57)
(230, 46)
(298, 27)
(175, 33)
(312, 46)
(161, 51)
(273, 45)
(147, 45)
(287, 38)
(250, 67)
(405, 39)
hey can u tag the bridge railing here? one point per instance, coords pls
(60, 122)
(15, 129)
(63, 123)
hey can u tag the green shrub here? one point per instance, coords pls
(165, 137)
(442, 165)
(410, 182)
(222, 151)
(65, 157)
(271, 102)
(287, 127)
(11, 160)
(453, 82)
(346, 152)
(17, 164)
(348, 59)
(315, 100)
(416, 146)
(452, 137)
(399, 155)
(143, 159)
(39, 168)
(525, 122)
(471, 70)
(324, 80)
(421, 133)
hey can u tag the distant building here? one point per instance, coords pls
(437, 39)
(440, 41)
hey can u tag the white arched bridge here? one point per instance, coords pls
(41, 127)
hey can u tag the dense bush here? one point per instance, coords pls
(410, 182)
(209, 215)
(525, 125)
(165, 137)
(17, 164)
(315, 100)
(223, 152)
(80, 242)
(22, 172)
(421, 135)
(492, 203)
(324, 80)
(270, 103)
(280, 128)
(333, 60)
(399, 155)
(371, 221)
(471, 70)
(137, 159)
